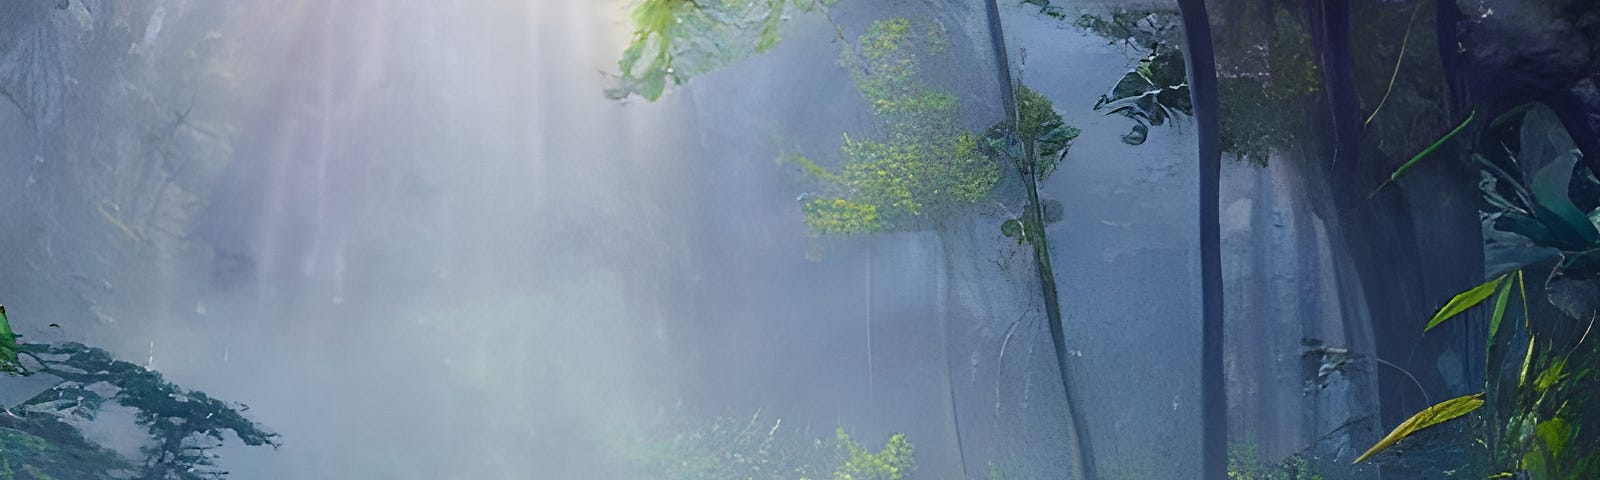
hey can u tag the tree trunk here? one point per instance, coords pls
(1203, 93)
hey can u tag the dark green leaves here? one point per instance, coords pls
(1150, 93)
(1042, 129)
(183, 424)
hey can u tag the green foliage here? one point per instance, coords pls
(1150, 93)
(1048, 9)
(893, 462)
(838, 215)
(1269, 72)
(1243, 464)
(1466, 300)
(1428, 417)
(732, 449)
(923, 166)
(183, 425)
(9, 362)
(1040, 130)
(1555, 207)
(674, 40)
(1540, 422)
(40, 447)
(1157, 86)
(1424, 153)
(1035, 147)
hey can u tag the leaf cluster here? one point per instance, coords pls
(183, 425)
(1541, 418)
(675, 40)
(922, 165)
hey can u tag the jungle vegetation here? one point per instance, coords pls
(757, 449)
(925, 164)
(40, 439)
(1535, 417)
(1256, 91)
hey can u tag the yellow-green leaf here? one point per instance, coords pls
(1499, 309)
(1434, 415)
(1550, 376)
(1554, 433)
(1464, 301)
(1527, 361)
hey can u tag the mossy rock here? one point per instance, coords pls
(44, 449)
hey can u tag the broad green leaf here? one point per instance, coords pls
(1555, 209)
(8, 344)
(1464, 301)
(1418, 157)
(1434, 415)
(1555, 433)
(6, 334)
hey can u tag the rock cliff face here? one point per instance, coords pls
(114, 133)
(1514, 52)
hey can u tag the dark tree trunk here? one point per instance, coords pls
(1413, 245)
(1203, 91)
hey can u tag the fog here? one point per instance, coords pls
(420, 241)
(431, 248)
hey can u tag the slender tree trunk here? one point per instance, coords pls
(1033, 230)
(1203, 92)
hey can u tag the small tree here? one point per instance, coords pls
(923, 166)
(184, 425)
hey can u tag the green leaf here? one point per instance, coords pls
(1494, 347)
(1550, 376)
(1464, 301)
(1418, 157)
(6, 334)
(9, 362)
(1555, 433)
(1555, 209)
(1527, 362)
(1434, 415)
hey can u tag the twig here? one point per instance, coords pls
(1397, 60)
(1000, 360)
(1424, 391)
(840, 32)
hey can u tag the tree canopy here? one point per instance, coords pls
(923, 165)
(674, 40)
(183, 425)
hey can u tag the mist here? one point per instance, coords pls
(846, 239)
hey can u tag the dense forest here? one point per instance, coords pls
(800, 239)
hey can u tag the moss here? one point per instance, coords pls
(43, 449)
